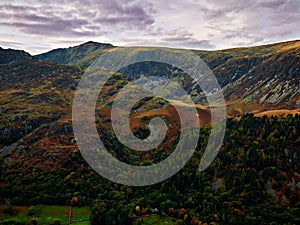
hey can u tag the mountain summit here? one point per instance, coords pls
(254, 79)
(80, 54)
(10, 55)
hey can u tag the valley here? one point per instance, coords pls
(255, 178)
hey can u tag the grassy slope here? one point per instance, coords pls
(60, 212)
(155, 220)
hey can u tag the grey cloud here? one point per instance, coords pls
(288, 13)
(77, 18)
(16, 8)
(177, 39)
(252, 21)
(10, 44)
(221, 9)
(50, 26)
(199, 44)
(51, 29)
(138, 21)
(178, 36)
(272, 3)
(225, 10)
(31, 17)
(135, 16)
(184, 38)
(128, 20)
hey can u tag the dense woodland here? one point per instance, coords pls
(254, 180)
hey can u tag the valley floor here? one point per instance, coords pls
(80, 215)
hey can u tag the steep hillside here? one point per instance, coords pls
(36, 95)
(253, 79)
(35, 99)
(254, 178)
(258, 78)
(35, 104)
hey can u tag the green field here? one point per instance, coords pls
(60, 212)
(155, 220)
(82, 223)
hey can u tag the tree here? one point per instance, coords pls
(34, 211)
(8, 208)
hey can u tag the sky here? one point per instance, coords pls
(38, 26)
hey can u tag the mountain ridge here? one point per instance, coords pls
(73, 55)
(254, 178)
(264, 68)
(11, 55)
(251, 84)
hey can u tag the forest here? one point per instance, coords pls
(254, 180)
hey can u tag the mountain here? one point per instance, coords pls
(254, 178)
(258, 78)
(36, 95)
(10, 56)
(253, 79)
(35, 99)
(79, 55)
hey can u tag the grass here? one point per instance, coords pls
(60, 212)
(82, 223)
(155, 220)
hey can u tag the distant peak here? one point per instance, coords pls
(95, 44)
(11, 55)
(75, 54)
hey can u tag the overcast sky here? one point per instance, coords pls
(41, 25)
